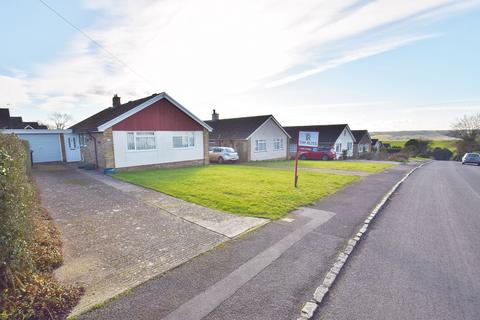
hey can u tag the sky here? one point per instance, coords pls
(377, 65)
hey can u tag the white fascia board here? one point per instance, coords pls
(142, 106)
(350, 133)
(263, 124)
(34, 131)
(280, 126)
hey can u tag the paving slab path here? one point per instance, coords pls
(116, 235)
(266, 274)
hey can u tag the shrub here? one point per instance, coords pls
(442, 154)
(417, 146)
(16, 203)
(394, 149)
(30, 247)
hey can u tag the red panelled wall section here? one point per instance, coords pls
(160, 116)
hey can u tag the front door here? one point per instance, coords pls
(72, 147)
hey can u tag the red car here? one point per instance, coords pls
(307, 153)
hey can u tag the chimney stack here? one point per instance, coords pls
(215, 116)
(116, 101)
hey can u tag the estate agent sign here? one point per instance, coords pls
(307, 139)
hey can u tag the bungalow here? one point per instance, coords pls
(376, 145)
(335, 136)
(154, 131)
(254, 138)
(363, 142)
(8, 122)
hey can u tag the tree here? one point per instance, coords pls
(442, 154)
(467, 129)
(60, 120)
(417, 146)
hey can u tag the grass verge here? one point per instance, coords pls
(243, 190)
(365, 166)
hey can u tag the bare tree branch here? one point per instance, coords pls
(60, 120)
(467, 128)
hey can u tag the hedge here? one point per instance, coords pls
(30, 246)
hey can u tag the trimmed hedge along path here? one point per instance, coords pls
(29, 244)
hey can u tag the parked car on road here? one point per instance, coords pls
(471, 158)
(307, 153)
(222, 154)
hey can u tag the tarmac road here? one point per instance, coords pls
(421, 256)
(265, 274)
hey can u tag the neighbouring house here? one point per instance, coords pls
(254, 138)
(363, 142)
(335, 136)
(45, 145)
(154, 131)
(8, 122)
(377, 145)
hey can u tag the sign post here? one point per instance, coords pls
(296, 162)
(305, 139)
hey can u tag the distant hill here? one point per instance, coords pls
(414, 134)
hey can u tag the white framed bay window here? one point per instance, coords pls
(141, 140)
(183, 140)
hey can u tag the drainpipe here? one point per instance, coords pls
(95, 148)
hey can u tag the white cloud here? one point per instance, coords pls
(13, 91)
(211, 51)
(350, 57)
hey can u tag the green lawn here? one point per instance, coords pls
(244, 190)
(372, 167)
(449, 144)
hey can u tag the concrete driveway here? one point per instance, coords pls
(117, 235)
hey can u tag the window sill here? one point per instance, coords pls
(147, 150)
(183, 148)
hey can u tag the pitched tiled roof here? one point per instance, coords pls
(327, 134)
(7, 122)
(107, 114)
(4, 118)
(236, 128)
(358, 134)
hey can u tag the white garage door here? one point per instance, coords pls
(46, 147)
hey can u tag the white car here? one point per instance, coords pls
(471, 158)
(222, 154)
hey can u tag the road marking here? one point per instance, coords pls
(201, 305)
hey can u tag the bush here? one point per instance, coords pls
(393, 149)
(16, 203)
(442, 154)
(30, 247)
(418, 147)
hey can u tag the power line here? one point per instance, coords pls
(96, 43)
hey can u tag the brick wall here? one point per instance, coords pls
(105, 154)
(206, 159)
(190, 163)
